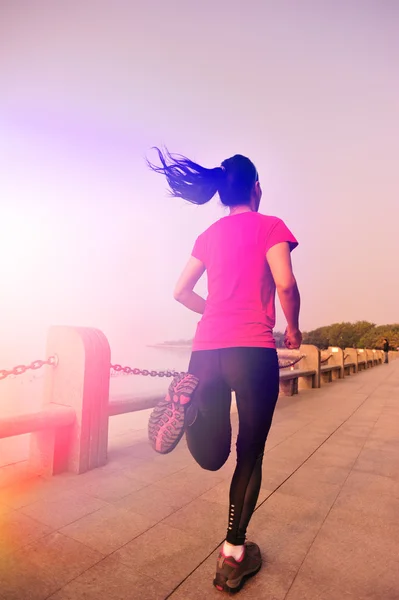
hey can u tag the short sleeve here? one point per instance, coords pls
(279, 233)
(199, 250)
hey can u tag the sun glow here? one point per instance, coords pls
(23, 246)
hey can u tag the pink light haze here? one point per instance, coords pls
(88, 236)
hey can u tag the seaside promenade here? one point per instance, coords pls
(148, 527)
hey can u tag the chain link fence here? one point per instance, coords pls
(52, 361)
(116, 369)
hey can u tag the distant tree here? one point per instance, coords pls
(343, 335)
(347, 335)
(375, 338)
(317, 337)
(178, 343)
(360, 334)
(360, 329)
(279, 337)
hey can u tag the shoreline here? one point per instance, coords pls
(169, 346)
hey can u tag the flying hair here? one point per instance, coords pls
(234, 179)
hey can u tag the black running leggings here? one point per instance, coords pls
(253, 374)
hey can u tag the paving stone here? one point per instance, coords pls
(307, 588)
(285, 527)
(107, 486)
(107, 529)
(354, 556)
(379, 505)
(199, 585)
(165, 554)
(384, 444)
(378, 462)
(62, 508)
(154, 502)
(220, 494)
(141, 449)
(325, 473)
(4, 509)
(40, 569)
(33, 489)
(18, 530)
(274, 477)
(370, 485)
(335, 454)
(112, 580)
(304, 485)
(14, 473)
(152, 471)
(188, 482)
(201, 519)
(287, 509)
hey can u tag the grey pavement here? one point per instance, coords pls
(149, 527)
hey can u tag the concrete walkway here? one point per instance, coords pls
(147, 527)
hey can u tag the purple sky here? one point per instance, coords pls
(308, 90)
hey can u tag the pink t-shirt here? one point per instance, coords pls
(240, 308)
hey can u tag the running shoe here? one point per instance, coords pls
(231, 574)
(168, 419)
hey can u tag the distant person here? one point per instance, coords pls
(386, 350)
(247, 257)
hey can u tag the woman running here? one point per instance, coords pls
(247, 257)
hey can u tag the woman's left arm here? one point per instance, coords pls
(184, 290)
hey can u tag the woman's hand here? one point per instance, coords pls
(292, 339)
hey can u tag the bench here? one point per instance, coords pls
(330, 372)
(53, 416)
(376, 359)
(289, 380)
(127, 403)
(120, 405)
(349, 368)
(52, 428)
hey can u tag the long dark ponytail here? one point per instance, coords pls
(234, 179)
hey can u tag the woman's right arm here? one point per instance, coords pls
(279, 259)
(184, 290)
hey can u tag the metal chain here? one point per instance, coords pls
(291, 364)
(118, 369)
(21, 369)
(326, 359)
(115, 369)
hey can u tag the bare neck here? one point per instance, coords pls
(235, 210)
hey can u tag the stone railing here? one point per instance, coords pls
(70, 432)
